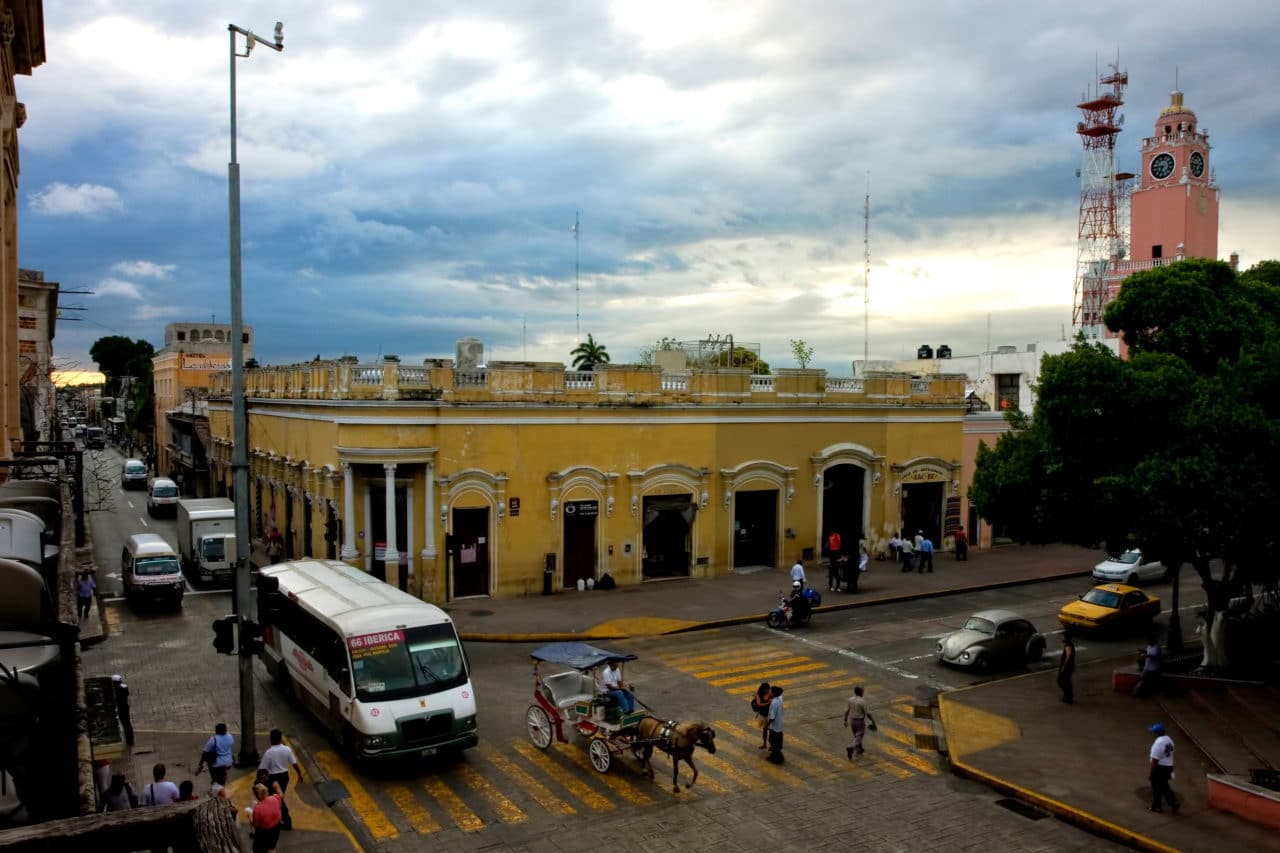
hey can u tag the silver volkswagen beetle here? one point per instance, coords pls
(990, 638)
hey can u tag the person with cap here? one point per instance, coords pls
(1161, 771)
(797, 604)
(121, 691)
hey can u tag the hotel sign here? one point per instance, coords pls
(197, 361)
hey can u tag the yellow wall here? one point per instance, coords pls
(516, 445)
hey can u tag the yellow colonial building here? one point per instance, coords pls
(487, 481)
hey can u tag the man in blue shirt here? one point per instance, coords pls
(926, 555)
(775, 725)
(220, 748)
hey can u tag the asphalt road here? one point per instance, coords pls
(509, 794)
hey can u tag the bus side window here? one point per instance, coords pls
(335, 663)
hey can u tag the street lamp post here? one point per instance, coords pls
(239, 416)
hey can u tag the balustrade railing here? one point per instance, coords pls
(471, 378)
(761, 383)
(366, 374)
(846, 384)
(675, 382)
(579, 379)
(413, 375)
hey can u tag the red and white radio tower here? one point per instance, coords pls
(1104, 197)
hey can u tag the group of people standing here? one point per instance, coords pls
(767, 706)
(839, 571)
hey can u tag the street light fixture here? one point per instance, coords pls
(239, 415)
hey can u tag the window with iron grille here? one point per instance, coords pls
(1007, 391)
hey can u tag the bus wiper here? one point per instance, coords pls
(426, 672)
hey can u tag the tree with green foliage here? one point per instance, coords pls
(1175, 448)
(118, 356)
(801, 352)
(589, 353)
(743, 357)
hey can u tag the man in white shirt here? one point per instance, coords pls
(1162, 770)
(611, 685)
(160, 792)
(797, 572)
(277, 760)
(907, 555)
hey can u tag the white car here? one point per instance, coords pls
(162, 497)
(1129, 568)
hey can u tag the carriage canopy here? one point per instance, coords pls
(580, 656)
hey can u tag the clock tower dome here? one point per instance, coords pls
(1174, 211)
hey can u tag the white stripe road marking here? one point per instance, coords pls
(850, 653)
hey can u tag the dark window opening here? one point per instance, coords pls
(1007, 391)
(182, 336)
(1157, 251)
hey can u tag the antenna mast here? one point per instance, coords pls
(866, 276)
(577, 288)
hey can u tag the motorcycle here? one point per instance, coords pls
(777, 617)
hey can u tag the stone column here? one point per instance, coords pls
(392, 555)
(429, 536)
(349, 551)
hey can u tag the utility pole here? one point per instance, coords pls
(866, 276)
(577, 289)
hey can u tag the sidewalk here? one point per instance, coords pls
(1087, 762)
(685, 604)
(317, 828)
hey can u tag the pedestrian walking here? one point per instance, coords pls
(85, 587)
(119, 795)
(1067, 667)
(760, 705)
(961, 540)
(218, 751)
(275, 545)
(1152, 667)
(926, 555)
(908, 554)
(855, 575)
(161, 792)
(121, 691)
(775, 724)
(1161, 771)
(797, 572)
(266, 818)
(834, 544)
(277, 760)
(919, 539)
(856, 717)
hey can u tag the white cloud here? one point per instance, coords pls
(116, 287)
(144, 269)
(59, 199)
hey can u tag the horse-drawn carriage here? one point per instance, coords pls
(571, 695)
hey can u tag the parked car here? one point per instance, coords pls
(1110, 606)
(162, 497)
(1129, 568)
(990, 638)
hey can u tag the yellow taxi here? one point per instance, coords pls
(1110, 606)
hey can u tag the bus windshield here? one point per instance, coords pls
(406, 662)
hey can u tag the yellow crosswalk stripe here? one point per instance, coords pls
(619, 786)
(566, 780)
(777, 673)
(745, 666)
(463, 817)
(849, 681)
(809, 682)
(734, 651)
(840, 762)
(373, 818)
(661, 763)
(419, 818)
(809, 770)
(875, 741)
(772, 771)
(723, 768)
(507, 811)
(537, 791)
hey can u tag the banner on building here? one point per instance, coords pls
(197, 361)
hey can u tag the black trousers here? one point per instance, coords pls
(775, 746)
(1068, 690)
(1160, 788)
(833, 574)
(962, 551)
(283, 778)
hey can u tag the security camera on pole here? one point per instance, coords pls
(239, 419)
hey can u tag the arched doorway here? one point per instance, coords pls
(843, 504)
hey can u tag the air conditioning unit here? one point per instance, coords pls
(469, 353)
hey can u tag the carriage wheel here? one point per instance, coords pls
(539, 726)
(600, 756)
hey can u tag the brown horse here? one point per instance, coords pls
(677, 740)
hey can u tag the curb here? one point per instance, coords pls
(1070, 814)
(729, 621)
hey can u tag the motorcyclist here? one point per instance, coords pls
(797, 604)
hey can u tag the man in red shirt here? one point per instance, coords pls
(833, 556)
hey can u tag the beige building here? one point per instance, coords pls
(37, 319)
(180, 374)
(21, 50)
(487, 480)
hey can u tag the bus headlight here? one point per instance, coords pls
(375, 741)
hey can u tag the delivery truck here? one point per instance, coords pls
(207, 537)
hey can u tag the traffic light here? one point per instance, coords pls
(224, 635)
(251, 638)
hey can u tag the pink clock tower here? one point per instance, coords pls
(1174, 210)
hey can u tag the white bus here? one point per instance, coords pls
(383, 670)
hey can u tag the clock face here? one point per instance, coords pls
(1197, 164)
(1162, 166)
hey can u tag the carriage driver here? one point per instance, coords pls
(611, 686)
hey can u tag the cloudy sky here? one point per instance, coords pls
(411, 171)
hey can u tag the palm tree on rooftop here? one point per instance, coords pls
(589, 353)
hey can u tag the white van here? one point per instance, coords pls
(150, 569)
(162, 497)
(381, 669)
(133, 474)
